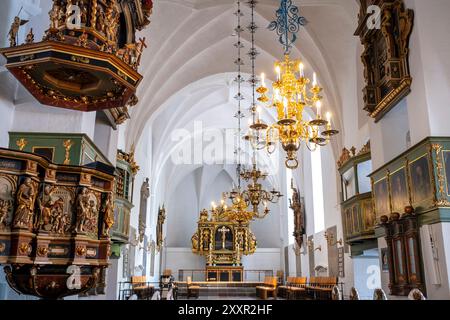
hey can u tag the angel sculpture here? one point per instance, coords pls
(14, 31)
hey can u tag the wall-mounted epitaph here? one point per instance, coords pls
(385, 27)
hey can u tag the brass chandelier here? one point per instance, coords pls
(292, 93)
(254, 195)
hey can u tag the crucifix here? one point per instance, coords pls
(224, 230)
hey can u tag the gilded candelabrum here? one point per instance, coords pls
(254, 195)
(237, 212)
(292, 94)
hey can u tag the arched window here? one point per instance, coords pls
(317, 183)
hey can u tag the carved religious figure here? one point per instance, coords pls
(160, 226)
(45, 203)
(82, 210)
(30, 37)
(108, 214)
(195, 242)
(14, 30)
(56, 14)
(60, 220)
(224, 230)
(26, 197)
(299, 219)
(206, 240)
(145, 194)
(4, 213)
(204, 216)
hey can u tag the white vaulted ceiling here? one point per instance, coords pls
(188, 70)
(191, 40)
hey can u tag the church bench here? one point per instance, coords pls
(298, 288)
(283, 289)
(293, 287)
(321, 287)
(141, 287)
(193, 289)
(268, 287)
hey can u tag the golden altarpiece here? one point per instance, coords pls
(223, 242)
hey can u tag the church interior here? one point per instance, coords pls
(224, 149)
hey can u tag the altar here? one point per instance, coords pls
(224, 274)
(223, 243)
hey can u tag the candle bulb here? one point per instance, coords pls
(329, 117)
(277, 95)
(285, 103)
(302, 70)
(278, 70)
(263, 80)
(213, 204)
(314, 79)
(318, 106)
(258, 110)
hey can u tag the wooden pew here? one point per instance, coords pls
(321, 287)
(269, 287)
(193, 290)
(298, 288)
(141, 288)
(283, 289)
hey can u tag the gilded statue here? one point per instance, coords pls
(82, 210)
(4, 213)
(108, 214)
(299, 219)
(56, 14)
(91, 224)
(194, 241)
(14, 30)
(112, 21)
(100, 22)
(26, 197)
(60, 221)
(159, 227)
(45, 204)
(206, 240)
(30, 37)
(204, 216)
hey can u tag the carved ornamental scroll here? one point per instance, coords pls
(386, 53)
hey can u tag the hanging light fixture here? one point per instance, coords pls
(234, 205)
(254, 195)
(292, 93)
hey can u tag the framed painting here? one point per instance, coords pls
(369, 215)
(356, 220)
(446, 156)
(381, 196)
(421, 188)
(399, 190)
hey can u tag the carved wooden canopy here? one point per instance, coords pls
(385, 27)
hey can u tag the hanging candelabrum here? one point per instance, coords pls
(237, 211)
(292, 93)
(255, 195)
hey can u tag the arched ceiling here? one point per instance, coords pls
(190, 41)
